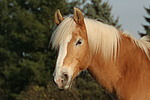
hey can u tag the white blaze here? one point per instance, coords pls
(61, 56)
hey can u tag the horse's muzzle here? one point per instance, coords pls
(62, 81)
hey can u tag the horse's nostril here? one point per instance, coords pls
(62, 81)
(65, 78)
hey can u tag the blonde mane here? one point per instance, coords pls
(144, 44)
(101, 37)
(66, 27)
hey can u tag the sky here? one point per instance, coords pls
(130, 13)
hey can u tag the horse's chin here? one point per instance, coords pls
(67, 86)
(64, 88)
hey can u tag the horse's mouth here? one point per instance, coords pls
(66, 86)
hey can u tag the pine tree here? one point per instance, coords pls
(146, 27)
(101, 11)
(25, 30)
(97, 9)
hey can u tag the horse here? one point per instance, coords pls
(116, 60)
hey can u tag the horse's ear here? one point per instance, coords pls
(58, 17)
(78, 16)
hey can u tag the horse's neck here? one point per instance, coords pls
(125, 70)
(106, 73)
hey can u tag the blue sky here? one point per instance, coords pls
(130, 14)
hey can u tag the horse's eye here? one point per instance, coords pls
(79, 42)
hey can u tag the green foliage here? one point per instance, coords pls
(26, 62)
(89, 89)
(47, 93)
(81, 90)
(25, 31)
(101, 11)
(146, 27)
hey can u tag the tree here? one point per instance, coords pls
(146, 27)
(25, 30)
(101, 11)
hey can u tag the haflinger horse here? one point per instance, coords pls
(116, 60)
